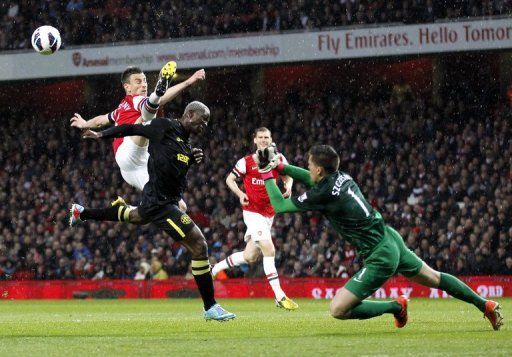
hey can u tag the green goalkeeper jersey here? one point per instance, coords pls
(339, 198)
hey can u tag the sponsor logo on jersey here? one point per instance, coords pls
(183, 158)
(303, 197)
(254, 167)
(185, 219)
(256, 181)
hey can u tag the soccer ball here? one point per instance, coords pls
(46, 40)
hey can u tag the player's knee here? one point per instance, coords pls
(251, 257)
(339, 311)
(428, 277)
(201, 249)
(435, 278)
(271, 252)
(198, 247)
(134, 217)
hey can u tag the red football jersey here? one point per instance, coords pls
(247, 169)
(128, 111)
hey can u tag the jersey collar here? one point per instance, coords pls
(326, 179)
(181, 130)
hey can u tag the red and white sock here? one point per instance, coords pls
(233, 260)
(269, 266)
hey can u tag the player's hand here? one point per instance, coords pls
(244, 199)
(197, 76)
(78, 122)
(182, 205)
(198, 155)
(89, 134)
(287, 193)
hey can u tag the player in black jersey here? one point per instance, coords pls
(170, 157)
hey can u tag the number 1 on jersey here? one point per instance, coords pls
(359, 202)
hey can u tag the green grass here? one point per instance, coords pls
(175, 327)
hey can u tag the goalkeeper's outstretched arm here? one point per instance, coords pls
(278, 202)
(297, 173)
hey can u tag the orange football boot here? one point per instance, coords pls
(493, 314)
(401, 317)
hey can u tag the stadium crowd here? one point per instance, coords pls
(95, 22)
(438, 172)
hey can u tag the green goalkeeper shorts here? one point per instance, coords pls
(389, 256)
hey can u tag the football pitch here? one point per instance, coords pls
(175, 327)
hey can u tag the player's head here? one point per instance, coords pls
(262, 138)
(195, 117)
(134, 81)
(323, 160)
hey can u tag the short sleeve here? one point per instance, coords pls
(240, 168)
(113, 116)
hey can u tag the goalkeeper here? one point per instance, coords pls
(337, 196)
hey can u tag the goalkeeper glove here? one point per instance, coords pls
(267, 160)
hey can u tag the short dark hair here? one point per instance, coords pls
(260, 129)
(325, 156)
(125, 77)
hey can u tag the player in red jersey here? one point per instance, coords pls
(131, 153)
(258, 217)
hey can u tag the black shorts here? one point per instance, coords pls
(168, 218)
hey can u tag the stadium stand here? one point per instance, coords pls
(113, 21)
(437, 172)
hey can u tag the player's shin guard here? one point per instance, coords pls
(204, 281)
(117, 213)
(269, 266)
(461, 291)
(368, 309)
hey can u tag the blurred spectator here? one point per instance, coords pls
(74, 5)
(507, 269)
(143, 272)
(157, 273)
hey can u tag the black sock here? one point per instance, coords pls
(204, 281)
(118, 213)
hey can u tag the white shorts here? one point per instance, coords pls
(133, 162)
(258, 226)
